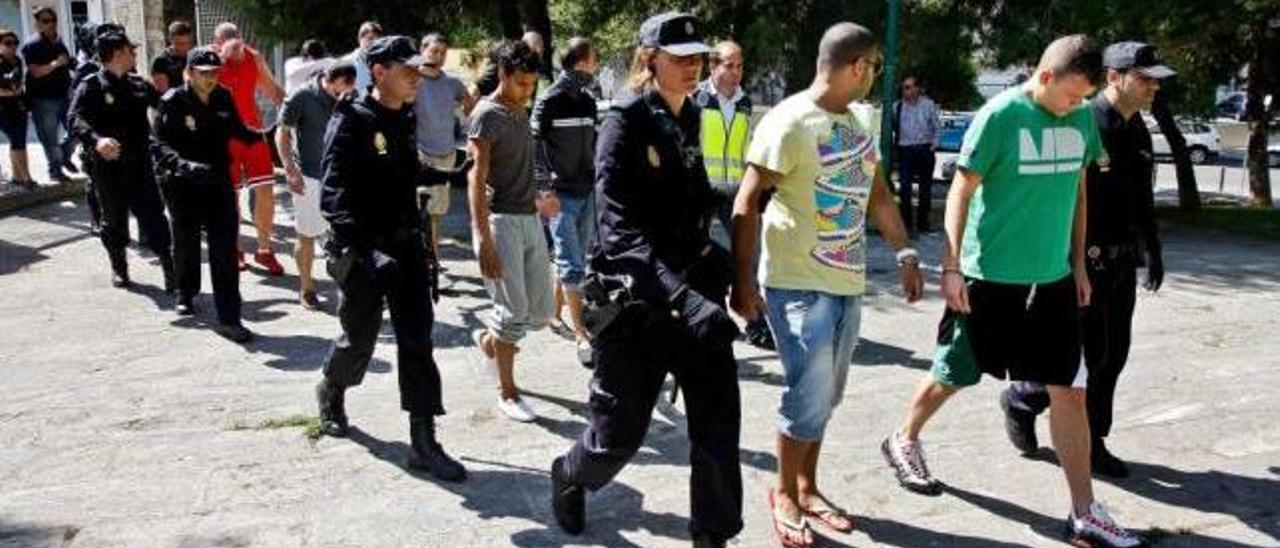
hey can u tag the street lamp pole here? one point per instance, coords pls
(889, 88)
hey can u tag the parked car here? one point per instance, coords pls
(1232, 106)
(1273, 155)
(1203, 142)
(951, 134)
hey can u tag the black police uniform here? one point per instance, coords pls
(87, 67)
(191, 155)
(115, 106)
(377, 250)
(1121, 236)
(655, 258)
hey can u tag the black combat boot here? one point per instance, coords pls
(333, 413)
(425, 453)
(568, 501)
(170, 279)
(119, 269)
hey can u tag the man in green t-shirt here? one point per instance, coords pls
(1014, 273)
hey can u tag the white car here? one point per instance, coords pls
(1203, 142)
(1273, 155)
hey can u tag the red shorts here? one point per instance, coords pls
(250, 163)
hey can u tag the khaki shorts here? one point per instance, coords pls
(438, 206)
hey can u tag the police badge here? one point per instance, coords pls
(110, 99)
(654, 159)
(380, 143)
(191, 122)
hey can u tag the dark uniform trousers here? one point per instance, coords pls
(404, 288)
(915, 168)
(632, 361)
(208, 206)
(1106, 329)
(126, 185)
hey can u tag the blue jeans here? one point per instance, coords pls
(50, 117)
(816, 333)
(572, 232)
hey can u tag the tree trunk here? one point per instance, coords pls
(509, 14)
(1188, 192)
(1256, 113)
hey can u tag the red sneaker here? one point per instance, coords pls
(267, 260)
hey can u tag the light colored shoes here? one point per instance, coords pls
(517, 410)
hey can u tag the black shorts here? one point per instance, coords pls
(13, 122)
(1019, 332)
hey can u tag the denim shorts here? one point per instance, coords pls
(816, 333)
(572, 232)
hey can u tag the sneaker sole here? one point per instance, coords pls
(930, 490)
(1071, 537)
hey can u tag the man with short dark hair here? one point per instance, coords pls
(1014, 271)
(915, 136)
(167, 69)
(1122, 236)
(819, 159)
(564, 133)
(365, 35)
(377, 253)
(109, 117)
(48, 88)
(300, 142)
(436, 107)
(505, 209)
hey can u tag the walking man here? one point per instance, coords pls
(1014, 271)
(505, 210)
(440, 96)
(377, 252)
(168, 68)
(300, 142)
(1122, 236)
(916, 126)
(195, 124)
(48, 88)
(109, 117)
(726, 132)
(820, 160)
(244, 72)
(564, 133)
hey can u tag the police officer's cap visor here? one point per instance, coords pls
(1159, 72)
(686, 49)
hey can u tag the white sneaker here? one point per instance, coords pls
(517, 410)
(1098, 530)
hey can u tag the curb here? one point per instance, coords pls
(44, 194)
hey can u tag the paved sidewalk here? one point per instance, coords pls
(122, 425)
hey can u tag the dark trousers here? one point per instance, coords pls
(208, 207)
(1106, 329)
(50, 117)
(632, 361)
(915, 168)
(404, 288)
(127, 185)
(724, 213)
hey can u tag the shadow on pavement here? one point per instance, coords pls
(891, 533)
(1253, 501)
(489, 494)
(869, 352)
(26, 534)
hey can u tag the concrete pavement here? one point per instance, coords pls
(123, 425)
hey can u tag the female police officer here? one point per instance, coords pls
(659, 287)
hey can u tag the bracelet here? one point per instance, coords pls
(908, 255)
(950, 270)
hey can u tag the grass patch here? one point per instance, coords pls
(310, 425)
(1246, 221)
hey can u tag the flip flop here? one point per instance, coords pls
(783, 526)
(830, 516)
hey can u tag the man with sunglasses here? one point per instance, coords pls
(196, 122)
(1121, 236)
(109, 118)
(48, 86)
(915, 137)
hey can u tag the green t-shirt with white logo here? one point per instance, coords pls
(1020, 218)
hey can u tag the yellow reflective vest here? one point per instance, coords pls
(724, 143)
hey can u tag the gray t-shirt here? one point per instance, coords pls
(511, 188)
(438, 99)
(308, 111)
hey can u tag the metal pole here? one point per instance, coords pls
(889, 87)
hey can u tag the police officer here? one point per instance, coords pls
(1121, 236)
(655, 293)
(87, 66)
(377, 250)
(109, 117)
(195, 123)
